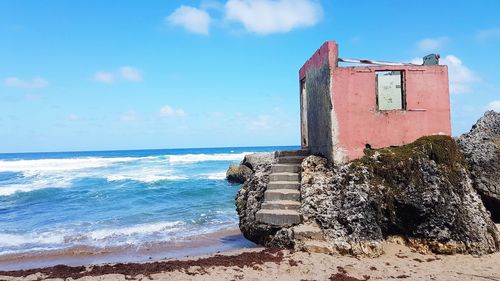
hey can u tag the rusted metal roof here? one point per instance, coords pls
(432, 59)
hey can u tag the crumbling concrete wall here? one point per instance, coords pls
(317, 74)
(319, 108)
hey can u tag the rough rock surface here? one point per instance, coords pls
(343, 205)
(481, 148)
(238, 173)
(254, 160)
(421, 192)
(248, 201)
(251, 163)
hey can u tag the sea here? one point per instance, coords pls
(101, 199)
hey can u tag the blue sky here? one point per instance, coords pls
(99, 75)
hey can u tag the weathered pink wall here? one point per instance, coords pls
(327, 53)
(360, 123)
(355, 120)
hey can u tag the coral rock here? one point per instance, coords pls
(481, 148)
(421, 192)
(252, 162)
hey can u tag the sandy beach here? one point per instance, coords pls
(397, 263)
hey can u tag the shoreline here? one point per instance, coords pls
(397, 263)
(220, 241)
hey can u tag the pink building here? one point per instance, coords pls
(346, 109)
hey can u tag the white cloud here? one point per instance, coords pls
(35, 83)
(192, 19)
(432, 44)
(127, 73)
(168, 111)
(130, 73)
(460, 76)
(488, 34)
(494, 105)
(262, 122)
(273, 16)
(104, 77)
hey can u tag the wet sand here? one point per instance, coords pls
(221, 241)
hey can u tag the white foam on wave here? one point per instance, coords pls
(148, 174)
(60, 173)
(194, 158)
(57, 182)
(10, 240)
(59, 165)
(99, 237)
(141, 229)
(143, 178)
(216, 176)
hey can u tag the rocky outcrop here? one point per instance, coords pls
(251, 163)
(254, 160)
(421, 192)
(238, 173)
(343, 205)
(248, 202)
(481, 148)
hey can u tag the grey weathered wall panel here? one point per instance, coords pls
(319, 107)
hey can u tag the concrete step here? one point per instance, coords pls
(285, 168)
(291, 160)
(293, 177)
(300, 152)
(281, 194)
(308, 232)
(314, 246)
(281, 205)
(283, 185)
(278, 217)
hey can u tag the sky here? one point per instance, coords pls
(112, 75)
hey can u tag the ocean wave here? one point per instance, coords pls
(215, 176)
(151, 173)
(141, 229)
(143, 178)
(10, 240)
(59, 165)
(194, 158)
(84, 205)
(36, 184)
(99, 237)
(80, 163)
(61, 173)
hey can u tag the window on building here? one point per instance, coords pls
(390, 90)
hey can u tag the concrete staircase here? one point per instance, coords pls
(282, 197)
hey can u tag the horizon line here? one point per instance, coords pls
(146, 149)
